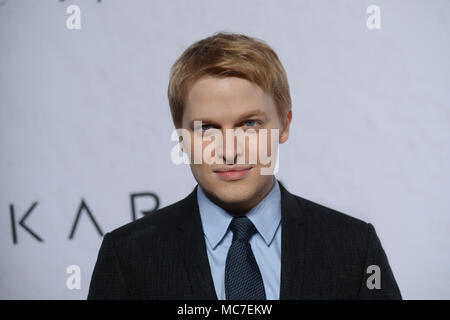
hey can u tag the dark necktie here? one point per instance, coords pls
(243, 279)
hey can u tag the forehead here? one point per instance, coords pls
(225, 98)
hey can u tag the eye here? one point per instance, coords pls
(251, 123)
(206, 127)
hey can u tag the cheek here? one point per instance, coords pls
(272, 140)
(251, 149)
(196, 149)
(263, 144)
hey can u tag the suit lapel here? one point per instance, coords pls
(192, 246)
(293, 239)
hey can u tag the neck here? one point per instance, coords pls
(239, 209)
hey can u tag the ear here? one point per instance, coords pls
(284, 135)
(180, 141)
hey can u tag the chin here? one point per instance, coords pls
(233, 197)
(232, 193)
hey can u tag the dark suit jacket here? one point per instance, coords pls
(324, 255)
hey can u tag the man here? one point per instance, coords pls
(239, 234)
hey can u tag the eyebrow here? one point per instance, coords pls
(246, 115)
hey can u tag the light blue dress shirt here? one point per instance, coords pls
(266, 244)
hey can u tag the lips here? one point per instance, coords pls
(233, 173)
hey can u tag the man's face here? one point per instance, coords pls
(223, 103)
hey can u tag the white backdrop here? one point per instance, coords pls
(84, 117)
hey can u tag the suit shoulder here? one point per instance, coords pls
(161, 220)
(343, 237)
(326, 217)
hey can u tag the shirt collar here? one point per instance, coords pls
(266, 216)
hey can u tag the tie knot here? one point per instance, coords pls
(242, 228)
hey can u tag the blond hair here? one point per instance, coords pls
(229, 55)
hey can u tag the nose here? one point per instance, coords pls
(231, 150)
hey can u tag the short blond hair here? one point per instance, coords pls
(229, 55)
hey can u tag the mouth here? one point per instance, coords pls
(233, 174)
